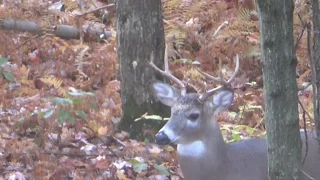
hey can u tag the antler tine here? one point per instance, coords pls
(236, 70)
(166, 73)
(224, 83)
(218, 79)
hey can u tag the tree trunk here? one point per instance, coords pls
(316, 62)
(139, 34)
(280, 88)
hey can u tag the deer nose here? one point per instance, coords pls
(162, 138)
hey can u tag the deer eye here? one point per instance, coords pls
(193, 116)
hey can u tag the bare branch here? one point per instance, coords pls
(97, 9)
(219, 28)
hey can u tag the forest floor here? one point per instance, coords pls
(60, 99)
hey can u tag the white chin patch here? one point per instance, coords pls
(195, 149)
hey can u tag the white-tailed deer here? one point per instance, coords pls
(202, 152)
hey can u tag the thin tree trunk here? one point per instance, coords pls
(280, 88)
(139, 33)
(316, 62)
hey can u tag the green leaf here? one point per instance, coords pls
(77, 101)
(250, 130)
(233, 114)
(40, 114)
(81, 94)
(82, 114)
(183, 60)
(21, 120)
(8, 75)
(151, 117)
(48, 114)
(93, 106)
(3, 60)
(64, 116)
(62, 101)
(236, 136)
(72, 120)
(138, 167)
(162, 169)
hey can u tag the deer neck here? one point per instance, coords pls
(208, 155)
(210, 142)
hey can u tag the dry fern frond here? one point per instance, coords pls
(172, 4)
(197, 7)
(243, 25)
(80, 59)
(193, 74)
(244, 14)
(70, 5)
(233, 33)
(202, 10)
(184, 11)
(52, 81)
(251, 51)
(171, 9)
(56, 83)
(175, 36)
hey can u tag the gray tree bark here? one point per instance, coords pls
(280, 89)
(140, 33)
(315, 62)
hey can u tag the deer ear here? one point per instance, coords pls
(222, 100)
(165, 93)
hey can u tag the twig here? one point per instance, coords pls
(118, 141)
(219, 28)
(75, 155)
(302, 88)
(313, 70)
(311, 178)
(304, 112)
(28, 40)
(97, 9)
(108, 148)
(304, 26)
(88, 12)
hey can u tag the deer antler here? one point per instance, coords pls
(166, 73)
(219, 79)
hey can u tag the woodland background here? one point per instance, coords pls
(60, 94)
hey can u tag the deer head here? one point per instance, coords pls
(191, 113)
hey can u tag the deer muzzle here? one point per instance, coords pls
(162, 138)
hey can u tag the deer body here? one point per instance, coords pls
(202, 152)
